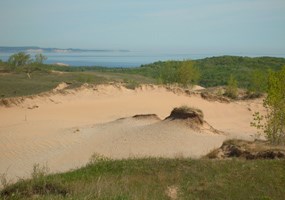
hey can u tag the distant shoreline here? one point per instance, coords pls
(118, 58)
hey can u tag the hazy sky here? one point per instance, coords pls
(196, 26)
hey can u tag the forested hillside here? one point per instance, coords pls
(216, 71)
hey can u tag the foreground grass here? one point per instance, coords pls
(159, 179)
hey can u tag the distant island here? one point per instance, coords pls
(35, 49)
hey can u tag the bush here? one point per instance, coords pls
(232, 88)
(131, 84)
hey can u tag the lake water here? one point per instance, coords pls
(118, 58)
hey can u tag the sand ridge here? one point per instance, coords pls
(64, 128)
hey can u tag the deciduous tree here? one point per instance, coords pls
(40, 58)
(273, 123)
(19, 59)
(188, 74)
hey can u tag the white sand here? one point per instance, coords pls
(66, 129)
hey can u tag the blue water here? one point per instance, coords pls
(109, 58)
(119, 58)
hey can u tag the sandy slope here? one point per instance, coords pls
(65, 129)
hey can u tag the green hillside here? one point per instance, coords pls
(216, 71)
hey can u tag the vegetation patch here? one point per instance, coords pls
(32, 188)
(146, 116)
(131, 84)
(187, 113)
(214, 97)
(157, 178)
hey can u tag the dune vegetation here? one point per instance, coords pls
(245, 72)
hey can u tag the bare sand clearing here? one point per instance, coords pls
(64, 129)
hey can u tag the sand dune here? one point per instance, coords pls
(63, 129)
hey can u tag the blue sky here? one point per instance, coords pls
(195, 26)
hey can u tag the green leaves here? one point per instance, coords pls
(258, 81)
(232, 88)
(188, 74)
(22, 59)
(19, 59)
(184, 73)
(40, 58)
(274, 125)
(23, 62)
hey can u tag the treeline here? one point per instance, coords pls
(245, 72)
(249, 73)
(217, 70)
(184, 73)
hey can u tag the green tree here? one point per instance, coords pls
(168, 73)
(19, 59)
(23, 62)
(258, 82)
(232, 88)
(273, 123)
(188, 74)
(29, 69)
(275, 104)
(40, 58)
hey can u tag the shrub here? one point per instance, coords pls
(232, 88)
(131, 84)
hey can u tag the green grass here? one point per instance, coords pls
(18, 84)
(150, 178)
